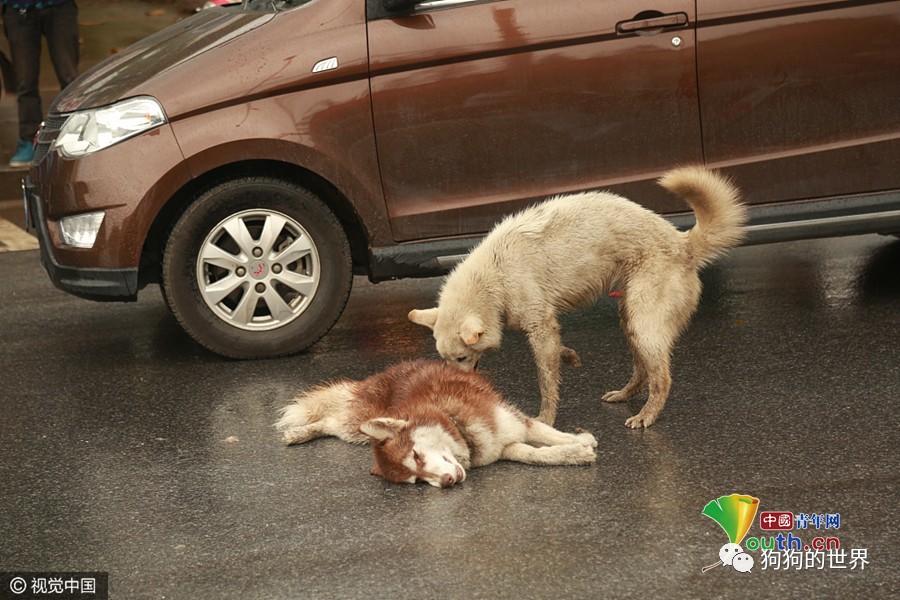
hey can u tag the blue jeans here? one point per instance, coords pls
(24, 30)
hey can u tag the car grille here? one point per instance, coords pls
(47, 135)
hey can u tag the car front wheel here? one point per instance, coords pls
(257, 268)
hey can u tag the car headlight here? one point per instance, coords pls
(88, 131)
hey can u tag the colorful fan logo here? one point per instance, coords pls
(735, 515)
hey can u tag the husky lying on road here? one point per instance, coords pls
(567, 251)
(429, 422)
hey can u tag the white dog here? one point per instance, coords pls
(567, 251)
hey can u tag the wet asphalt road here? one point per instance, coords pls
(127, 449)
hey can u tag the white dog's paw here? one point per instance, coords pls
(616, 396)
(570, 357)
(640, 420)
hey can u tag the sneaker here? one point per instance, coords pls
(23, 156)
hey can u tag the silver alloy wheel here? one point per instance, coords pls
(258, 270)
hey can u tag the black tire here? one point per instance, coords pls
(283, 298)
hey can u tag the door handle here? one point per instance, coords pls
(651, 22)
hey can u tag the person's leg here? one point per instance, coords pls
(24, 35)
(60, 27)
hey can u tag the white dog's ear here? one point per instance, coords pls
(427, 317)
(471, 331)
(382, 429)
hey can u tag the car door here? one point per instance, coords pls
(801, 99)
(481, 107)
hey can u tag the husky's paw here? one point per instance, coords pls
(298, 435)
(570, 357)
(586, 438)
(640, 420)
(580, 454)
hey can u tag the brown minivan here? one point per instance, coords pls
(251, 159)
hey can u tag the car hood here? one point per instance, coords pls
(117, 77)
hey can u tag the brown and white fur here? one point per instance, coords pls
(429, 422)
(565, 253)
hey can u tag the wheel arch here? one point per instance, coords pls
(337, 202)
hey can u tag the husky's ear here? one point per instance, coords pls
(471, 331)
(382, 429)
(426, 317)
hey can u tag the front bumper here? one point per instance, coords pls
(90, 283)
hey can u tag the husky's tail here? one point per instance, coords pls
(319, 412)
(716, 204)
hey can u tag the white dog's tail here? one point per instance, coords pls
(716, 204)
